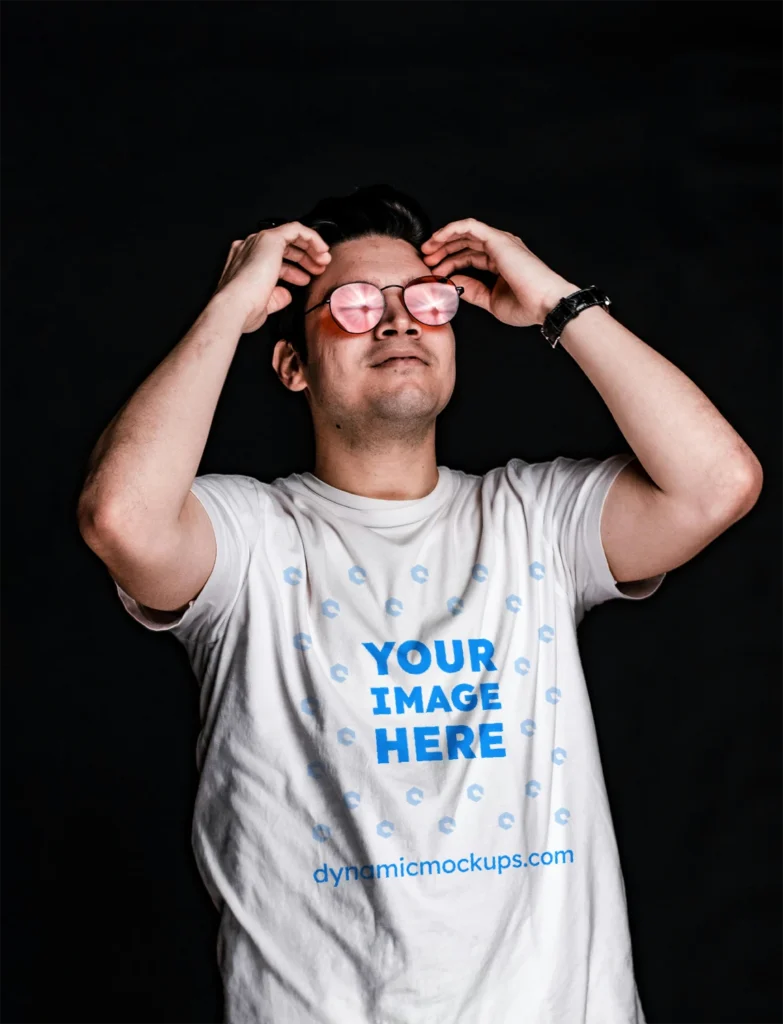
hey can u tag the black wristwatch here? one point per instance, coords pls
(569, 307)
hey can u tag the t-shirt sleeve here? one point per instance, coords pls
(233, 504)
(569, 496)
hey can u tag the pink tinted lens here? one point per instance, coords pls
(357, 307)
(432, 302)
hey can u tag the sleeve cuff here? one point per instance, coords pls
(135, 610)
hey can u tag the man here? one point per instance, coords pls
(401, 814)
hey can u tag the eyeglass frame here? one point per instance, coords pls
(416, 280)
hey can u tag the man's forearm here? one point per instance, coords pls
(686, 446)
(145, 461)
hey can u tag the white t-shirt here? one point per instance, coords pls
(401, 813)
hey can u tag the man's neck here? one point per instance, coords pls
(402, 476)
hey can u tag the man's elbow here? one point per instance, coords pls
(94, 526)
(743, 493)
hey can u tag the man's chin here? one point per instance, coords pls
(404, 406)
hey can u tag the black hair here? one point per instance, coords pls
(368, 210)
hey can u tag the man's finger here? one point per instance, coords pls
(476, 292)
(306, 238)
(465, 258)
(294, 274)
(305, 257)
(463, 242)
(279, 299)
(470, 228)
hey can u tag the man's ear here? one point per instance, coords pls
(288, 366)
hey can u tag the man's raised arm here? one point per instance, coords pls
(135, 510)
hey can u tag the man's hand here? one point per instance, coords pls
(526, 288)
(256, 264)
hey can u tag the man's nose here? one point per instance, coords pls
(396, 317)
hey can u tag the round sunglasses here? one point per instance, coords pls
(358, 306)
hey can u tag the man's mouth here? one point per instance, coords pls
(400, 359)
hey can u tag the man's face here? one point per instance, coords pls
(345, 377)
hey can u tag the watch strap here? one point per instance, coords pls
(569, 307)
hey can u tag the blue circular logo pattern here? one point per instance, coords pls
(330, 608)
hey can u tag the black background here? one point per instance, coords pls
(631, 145)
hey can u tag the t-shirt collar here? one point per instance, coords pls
(372, 511)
